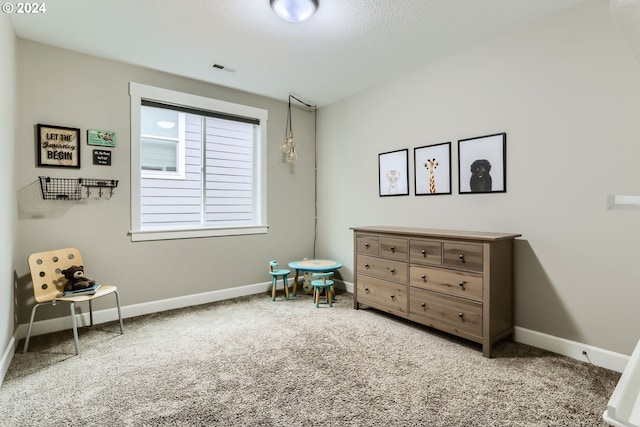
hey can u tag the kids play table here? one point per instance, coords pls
(315, 265)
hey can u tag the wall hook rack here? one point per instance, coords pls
(72, 188)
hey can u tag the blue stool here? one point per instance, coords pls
(323, 284)
(275, 273)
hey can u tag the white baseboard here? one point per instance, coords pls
(594, 355)
(111, 314)
(6, 358)
(348, 286)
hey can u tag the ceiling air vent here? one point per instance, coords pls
(223, 68)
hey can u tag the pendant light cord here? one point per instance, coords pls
(315, 162)
(287, 128)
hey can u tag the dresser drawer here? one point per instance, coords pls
(394, 248)
(441, 311)
(466, 256)
(451, 282)
(383, 294)
(368, 244)
(425, 251)
(382, 268)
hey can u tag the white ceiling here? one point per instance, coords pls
(346, 47)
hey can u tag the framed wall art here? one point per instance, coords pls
(58, 146)
(393, 171)
(102, 157)
(482, 164)
(103, 138)
(432, 169)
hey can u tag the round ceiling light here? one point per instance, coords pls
(294, 10)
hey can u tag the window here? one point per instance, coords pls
(197, 166)
(162, 142)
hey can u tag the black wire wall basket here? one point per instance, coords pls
(75, 188)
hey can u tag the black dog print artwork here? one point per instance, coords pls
(482, 164)
(480, 178)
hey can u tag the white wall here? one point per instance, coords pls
(7, 191)
(59, 87)
(567, 93)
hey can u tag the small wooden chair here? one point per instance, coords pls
(275, 273)
(48, 287)
(323, 284)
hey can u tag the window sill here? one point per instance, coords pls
(189, 233)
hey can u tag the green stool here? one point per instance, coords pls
(275, 273)
(323, 284)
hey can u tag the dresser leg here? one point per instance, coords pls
(486, 349)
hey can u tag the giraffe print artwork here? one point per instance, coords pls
(432, 167)
(431, 164)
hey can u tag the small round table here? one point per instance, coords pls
(316, 265)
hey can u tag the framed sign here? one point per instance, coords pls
(102, 157)
(393, 173)
(104, 138)
(432, 169)
(58, 146)
(482, 164)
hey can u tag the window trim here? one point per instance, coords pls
(138, 92)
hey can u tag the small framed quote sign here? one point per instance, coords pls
(58, 146)
(102, 157)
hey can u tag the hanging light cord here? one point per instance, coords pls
(300, 101)
(315, 178)
(315, 161)
(287, 128)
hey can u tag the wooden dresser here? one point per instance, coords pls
(459, 282)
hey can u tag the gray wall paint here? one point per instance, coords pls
(567, 92)
(59, 87)
(7, 189)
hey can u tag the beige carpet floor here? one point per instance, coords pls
(253, 362)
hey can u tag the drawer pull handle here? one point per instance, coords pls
(366, 245)
(424, 278)
(366, 266)
(393, 248)
(366, 290)
(393, 270)
(460, 315)
(424, 252)
(392, 296)
(461, 258)
(461, 284)
(423, 304)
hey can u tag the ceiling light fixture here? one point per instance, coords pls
(294, 10)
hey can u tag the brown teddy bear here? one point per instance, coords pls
(75, 279)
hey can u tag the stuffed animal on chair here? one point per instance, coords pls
(75, 278)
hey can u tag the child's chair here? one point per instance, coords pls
(323, 284)
(275, 273)
(49, 282)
